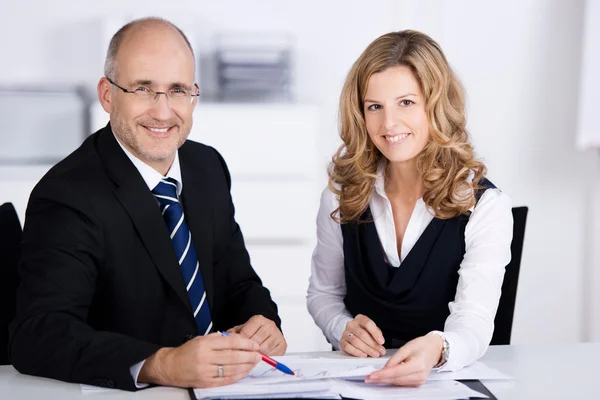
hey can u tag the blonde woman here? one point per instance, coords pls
(412, 238)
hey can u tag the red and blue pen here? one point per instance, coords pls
(281, 367)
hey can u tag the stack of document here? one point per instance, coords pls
(333, 377)
(254, 67)
(317, 389)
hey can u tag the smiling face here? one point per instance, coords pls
(395, 117)
(158, 58)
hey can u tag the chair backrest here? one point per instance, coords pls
(10, 252)
(506, 307)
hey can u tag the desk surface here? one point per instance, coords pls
(566, 371)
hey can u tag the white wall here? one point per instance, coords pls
(591, 289)
(589, 139)
(519, 61)
(588, 131)
(57, 41)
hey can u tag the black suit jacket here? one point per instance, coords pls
(101, 286)
(10, 252)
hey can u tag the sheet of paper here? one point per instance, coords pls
(314, 389)
(305, 370)
(437, 390)
(477, 370)
(353, 368)
(325, 395)
(339, 356)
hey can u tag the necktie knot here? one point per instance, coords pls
(166, 191)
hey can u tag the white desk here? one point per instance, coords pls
(564, 371)
(567, 371)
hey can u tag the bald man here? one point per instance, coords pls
(132, 259)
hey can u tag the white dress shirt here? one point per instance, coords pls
(152, 178)
(470, 325)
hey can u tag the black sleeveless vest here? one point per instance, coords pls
(411, 300)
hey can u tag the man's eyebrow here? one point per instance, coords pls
(142, 82)
(180, 85)
(147, 82)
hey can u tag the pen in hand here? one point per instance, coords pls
(281, 367)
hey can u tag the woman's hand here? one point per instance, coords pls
(411, 364)
(362, 338)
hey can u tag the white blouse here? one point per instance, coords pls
(470, 325)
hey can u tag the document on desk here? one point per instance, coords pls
(329, 378)
(437, 390)
(335, 388)
(477, 370)
(307, 369)
(316, 389)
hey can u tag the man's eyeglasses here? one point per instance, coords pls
(145, 93)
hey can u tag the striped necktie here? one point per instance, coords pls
(166, 194)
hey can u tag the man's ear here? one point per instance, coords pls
(105, 94)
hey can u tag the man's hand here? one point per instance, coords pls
(195, 364)
(411, 364)
(264, 332)
(362, 338)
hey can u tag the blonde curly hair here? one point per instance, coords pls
(447, 161)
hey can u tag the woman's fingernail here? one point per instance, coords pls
(381, 340)
(382, 351)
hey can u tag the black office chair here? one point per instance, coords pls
(10, 252)
(506, 308)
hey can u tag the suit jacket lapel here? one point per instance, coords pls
(134, 195)
(198, 214)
